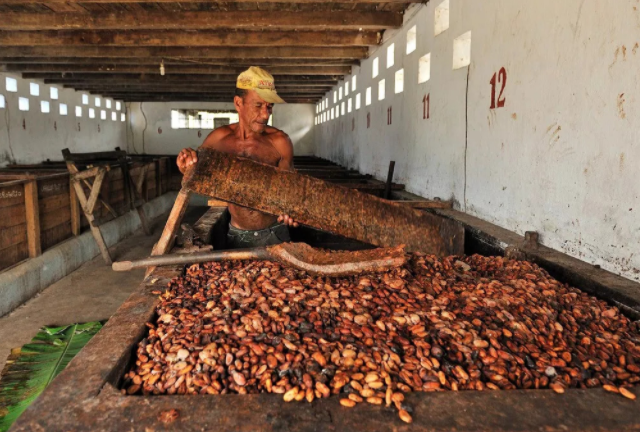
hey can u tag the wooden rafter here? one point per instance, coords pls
(225, 77)
(187, 38)
(116, 47)
(218, 52)
(184, 62)
(162, 20)
(71, 2)
(172, 69)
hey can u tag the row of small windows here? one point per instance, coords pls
(34, 90)
(63, 110)
(461, 58)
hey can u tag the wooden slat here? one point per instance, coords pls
(202, 20)
(53, 219)
(49, 2)
(53, 203)
(182, 38)
(11, 195)
(240, 63)
(175, 69)
(13, 255)
(74, 207)
(12, 236)
(32, 214)
(219, 78)
(55, 235)
(217, 52)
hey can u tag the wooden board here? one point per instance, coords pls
(322, 205)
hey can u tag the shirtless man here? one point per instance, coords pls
(253, 139)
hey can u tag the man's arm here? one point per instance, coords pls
(188, 156)
(283, 144)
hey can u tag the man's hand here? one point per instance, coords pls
(186, 158)
(288, 220)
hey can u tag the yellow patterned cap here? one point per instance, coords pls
(261, 82)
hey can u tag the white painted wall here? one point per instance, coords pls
(562, 157)
(32, 136)
(150, 128)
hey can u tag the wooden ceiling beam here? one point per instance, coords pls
(228, 95)
(311, 101)
(172, 69)
(194, 86)
(169, 84)
(202, 20)
(183, 62)
(72, 2)
(167, 38)
(231, 78)
(275, 52)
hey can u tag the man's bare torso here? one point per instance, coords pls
(262, 148)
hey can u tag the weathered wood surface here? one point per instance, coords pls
(322, 205)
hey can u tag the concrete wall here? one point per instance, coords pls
(560, 157)
(150, 127)
(33, 136)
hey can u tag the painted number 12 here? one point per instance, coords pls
(498, 79)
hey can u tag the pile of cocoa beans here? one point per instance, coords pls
(458, 323)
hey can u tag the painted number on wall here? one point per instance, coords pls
(389, 115)
(425, 106)
(368, 120)
(498, 80)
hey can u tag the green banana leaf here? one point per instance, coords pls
(30, 369)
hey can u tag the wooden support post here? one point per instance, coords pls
(33, 218)
(171, 228)
(84, 202)
(387, 189)
(76, 222)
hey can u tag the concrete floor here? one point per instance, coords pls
(91, 293)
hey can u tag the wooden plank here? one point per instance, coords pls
(202, 20)
(55, 235)
(13, 255)
(216, 52)
(181, 38)
(10, 236)
(49, 2)
(174, 69)
(53, 187)
(97, 235)
(124, 78)
(171, 227)
(53, 219)
(95, 191)
(74, 206)
(53, 203)
(322, 205)
(32, 214)
(11, 195)
(245, 63)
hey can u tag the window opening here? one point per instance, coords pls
(441, 17)
(374, 68)
(34, 89)
(399, 82)
(381, 89)
(424, 68)
(53, 93)
(411, 40)
(391, 53)
(203, 119)
(367, 98)
(11, 85)
(462, 51)
(63, 109)
(44, 106)
(23, 104)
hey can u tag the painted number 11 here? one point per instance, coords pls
(498, 79)
(425, 106)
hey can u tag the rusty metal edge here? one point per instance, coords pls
(84, 397)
